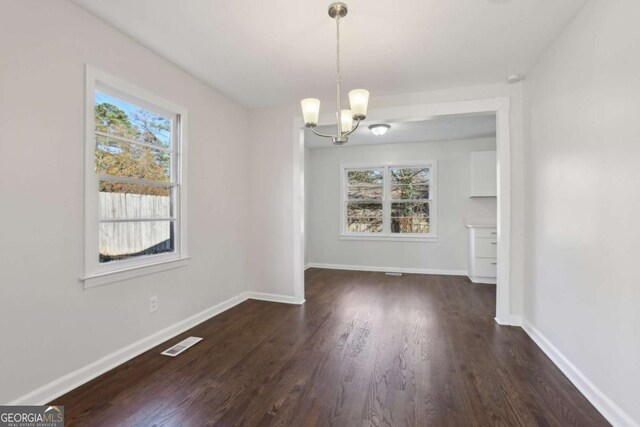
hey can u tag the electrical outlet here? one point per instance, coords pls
(153, 304)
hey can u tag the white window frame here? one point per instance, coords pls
(386, 234)
(96, 273)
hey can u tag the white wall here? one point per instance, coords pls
(49, 325)
(271, 139)
(455, 207)
(583, 183)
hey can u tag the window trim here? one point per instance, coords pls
(95, 273)
(386, 234)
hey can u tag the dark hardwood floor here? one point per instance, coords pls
(365, 349)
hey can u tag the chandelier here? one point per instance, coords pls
(358, 98)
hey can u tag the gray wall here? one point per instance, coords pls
(455, 207)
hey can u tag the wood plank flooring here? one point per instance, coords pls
(364, 350)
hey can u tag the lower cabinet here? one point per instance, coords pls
(483, 249)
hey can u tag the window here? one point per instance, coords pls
(390, 202)
(365, 191)
(410, 200)
(133, 188)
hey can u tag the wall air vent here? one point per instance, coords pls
(181, 346)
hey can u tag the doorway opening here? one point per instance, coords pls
(427, 131)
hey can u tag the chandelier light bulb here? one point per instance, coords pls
(359, 98)
(346, 120)
(310, 111)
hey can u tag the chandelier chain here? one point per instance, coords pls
(338, 72)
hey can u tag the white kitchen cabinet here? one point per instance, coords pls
(483, 249)
(483, 174)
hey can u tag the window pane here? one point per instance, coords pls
(364, 217)
(117, 117)
(410, 191)
(410, 217)
(126, 240)
(410, 183)
(365, 184)
(119, 158)
(130, 201)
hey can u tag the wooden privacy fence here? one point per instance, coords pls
(118, 239)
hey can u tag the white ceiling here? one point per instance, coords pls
(441, 128)
(267, 53)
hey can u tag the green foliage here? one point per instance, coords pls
(111, 119)
(118, 158)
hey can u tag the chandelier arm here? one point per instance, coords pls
(321, 134)
(352, 130)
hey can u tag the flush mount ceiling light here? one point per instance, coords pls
(358, 98)
(379, 130)
(515, 78)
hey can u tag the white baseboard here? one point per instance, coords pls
(510, 320)
(285, 299)
(612, 412)
(66, 383)
(484, 280)
(387, 269)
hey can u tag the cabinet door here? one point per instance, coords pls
(486, 232)
(486, 267)
(483, 174)
(486, 248)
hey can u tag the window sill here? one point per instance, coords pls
(99, 279)
(387, 238)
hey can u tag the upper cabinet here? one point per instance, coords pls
(483, 174)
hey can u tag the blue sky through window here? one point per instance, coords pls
(164, 137)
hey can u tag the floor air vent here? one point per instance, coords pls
(392, 273)
(181, 346)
